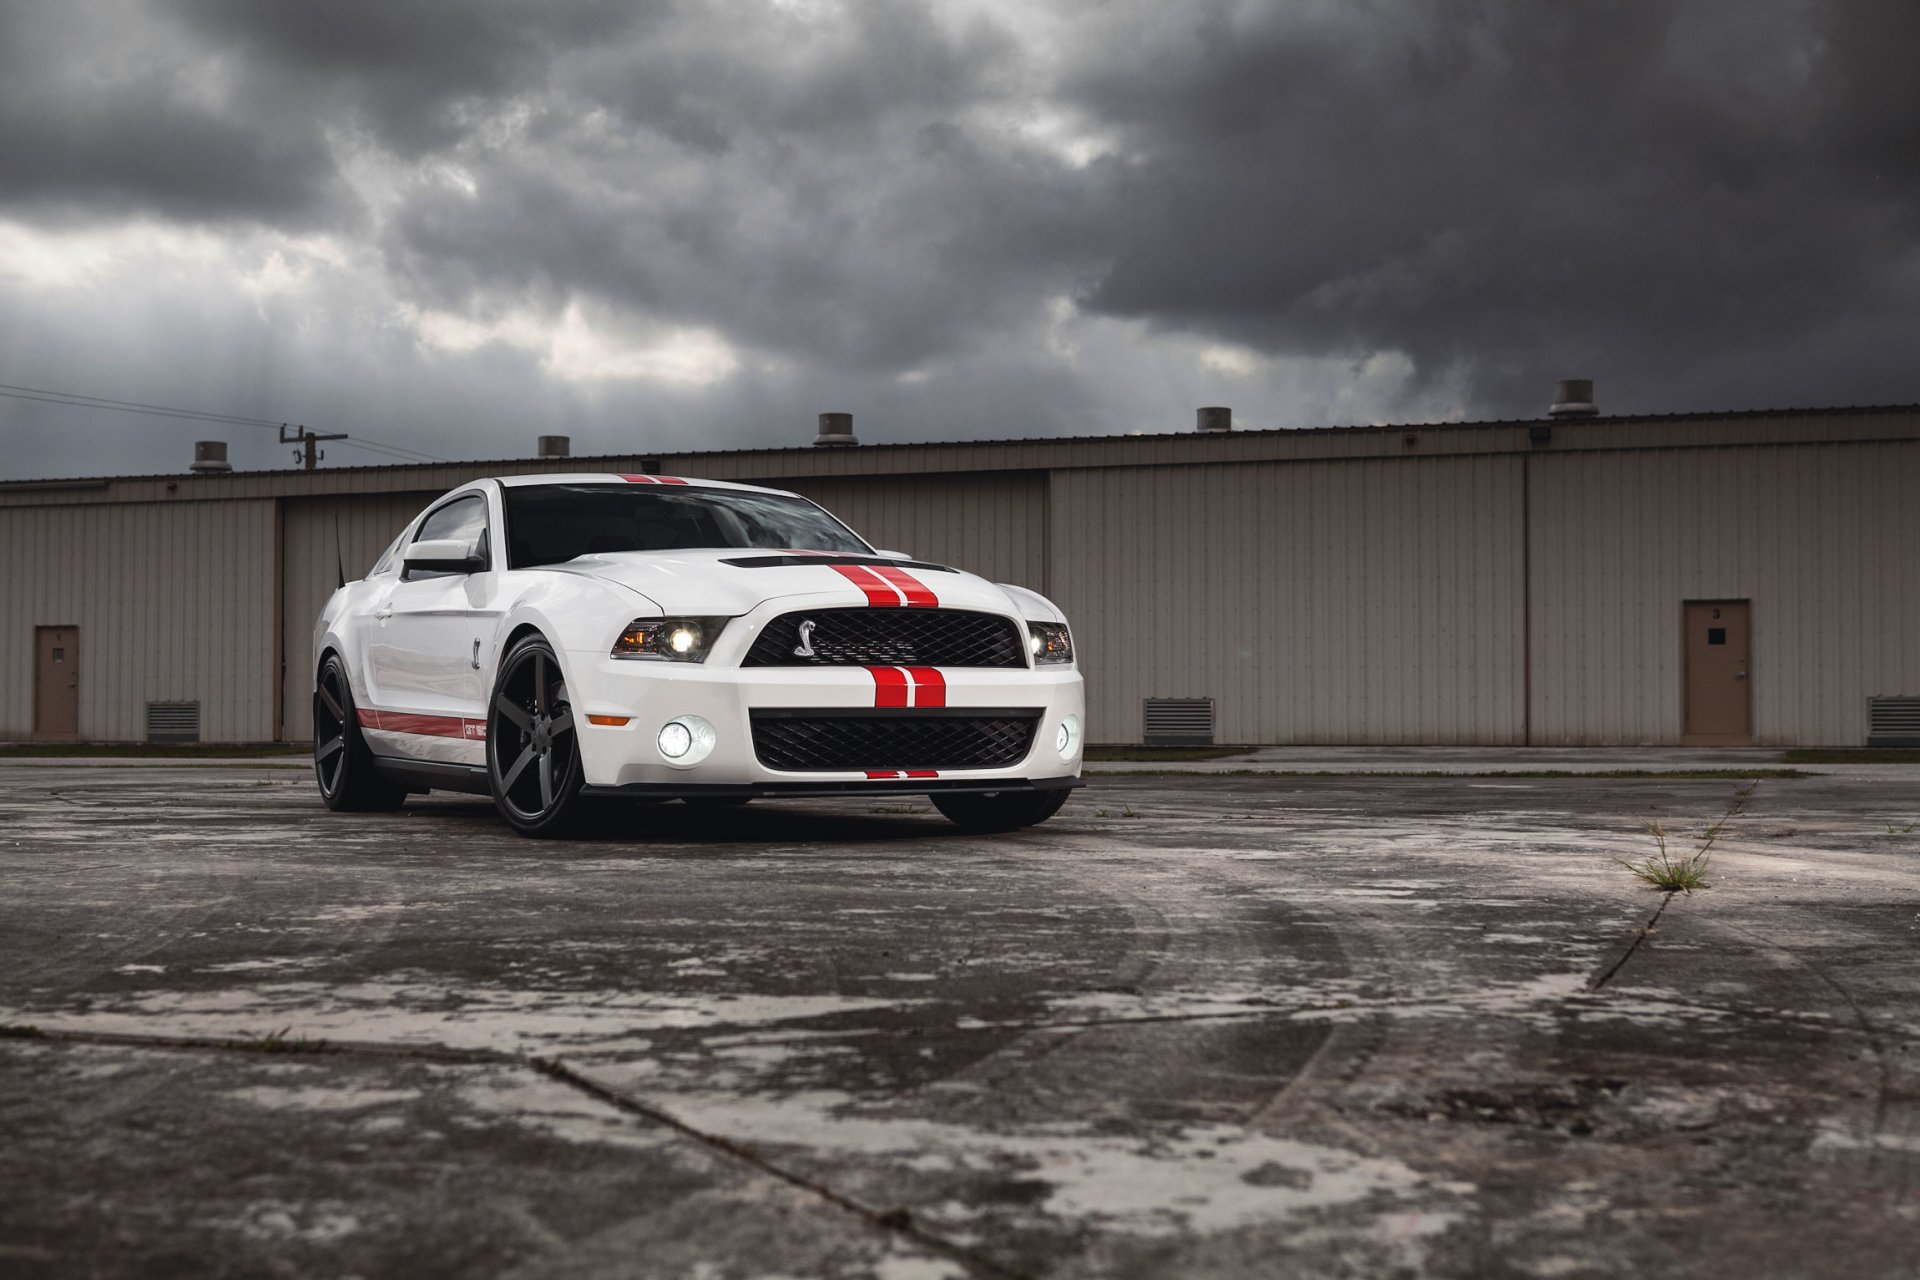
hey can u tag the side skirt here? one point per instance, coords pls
(425, 775)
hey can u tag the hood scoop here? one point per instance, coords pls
(828, 558)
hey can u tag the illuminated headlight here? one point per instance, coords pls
(1067, 740)
(674, 639)
(686, 740)
(1049, 642)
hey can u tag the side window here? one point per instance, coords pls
(464, 519)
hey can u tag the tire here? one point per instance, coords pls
(990, 811)
(533, 748)
(342, 762)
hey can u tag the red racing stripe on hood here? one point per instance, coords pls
(918, 594)
(880, 595)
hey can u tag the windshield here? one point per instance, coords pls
(553, 523)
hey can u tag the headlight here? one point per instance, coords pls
(1049, 642)
(674, 639)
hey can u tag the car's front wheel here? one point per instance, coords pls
(983, 812)
(533, 748)
(341, 760)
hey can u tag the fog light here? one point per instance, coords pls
(1067, 740)
(687, 740)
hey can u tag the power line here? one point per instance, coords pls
(74, 400)
(106, 401)
(188, 414)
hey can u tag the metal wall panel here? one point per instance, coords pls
(318, 535)
(994, 525)
(1325, 602)
(171, 600)
(1823, 539)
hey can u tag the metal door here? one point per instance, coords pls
(56, 684)
(1718, 674)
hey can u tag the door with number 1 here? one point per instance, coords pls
(56, 684)
(1719, 674)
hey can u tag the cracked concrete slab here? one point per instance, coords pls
(1194, 1026)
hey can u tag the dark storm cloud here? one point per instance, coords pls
(1644, 190)
(95, 122)
(1083, 216)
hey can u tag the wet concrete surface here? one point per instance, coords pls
(1193, 1026)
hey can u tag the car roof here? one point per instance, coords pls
(593, 477)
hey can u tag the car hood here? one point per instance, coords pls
(730, 582)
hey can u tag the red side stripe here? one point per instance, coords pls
(638, 479)
(883, 773)
(668, 480)
(889, 686)
(917, 593)
(423, 726)
(923, 773)
(929, 687)
(879, 594)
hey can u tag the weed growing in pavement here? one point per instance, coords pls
(1676, 873)
(1907, 830)
(20, 1031)
(280, 1042)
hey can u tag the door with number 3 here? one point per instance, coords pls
(1718, 674)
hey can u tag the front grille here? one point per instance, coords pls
(822, 741)
(890, 638)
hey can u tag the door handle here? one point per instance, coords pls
(382, 614)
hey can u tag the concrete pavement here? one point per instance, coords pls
(1210, 1027)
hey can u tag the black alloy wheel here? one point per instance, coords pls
(342, 762)
(533, 748)
(982, 812)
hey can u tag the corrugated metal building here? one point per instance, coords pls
(1720, 578)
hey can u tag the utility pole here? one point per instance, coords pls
(306, 454)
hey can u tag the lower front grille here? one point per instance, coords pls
(838, 741)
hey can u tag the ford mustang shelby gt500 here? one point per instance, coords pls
(552, 639)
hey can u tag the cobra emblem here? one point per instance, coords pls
(805, 648)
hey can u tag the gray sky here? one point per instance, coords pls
(453, 227)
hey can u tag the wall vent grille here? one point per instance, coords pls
(173, 722)
(1893, 722)
(1178, 722)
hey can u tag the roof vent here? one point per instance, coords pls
(1573, 398)
(836, 429)
(1214, 417)
(209, 457)
(555, 446)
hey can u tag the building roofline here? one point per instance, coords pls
(1502, 435)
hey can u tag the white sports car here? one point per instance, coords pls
(552, 639)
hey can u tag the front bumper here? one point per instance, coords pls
(625, 759)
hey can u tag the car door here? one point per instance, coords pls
(421, 655)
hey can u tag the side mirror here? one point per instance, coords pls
(445, 555)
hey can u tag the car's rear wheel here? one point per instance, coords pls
(987, 811)
(342, 762)
(533, 748)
